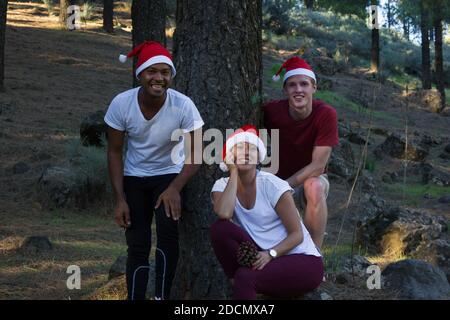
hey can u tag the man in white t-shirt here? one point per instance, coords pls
(154, 173)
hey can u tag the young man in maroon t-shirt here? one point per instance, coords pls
(307, 131)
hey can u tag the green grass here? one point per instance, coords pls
(339, 101)
(334, 256)
(402, 80)
(417, 190)
(413, 193)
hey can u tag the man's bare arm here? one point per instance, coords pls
(320, 157)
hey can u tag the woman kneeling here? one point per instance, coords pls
(259, 239)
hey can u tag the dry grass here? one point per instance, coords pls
(115, 289)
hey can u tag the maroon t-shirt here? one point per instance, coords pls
(298, 138)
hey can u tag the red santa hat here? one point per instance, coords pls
(247, 133)
(149, 53)
(295, 66)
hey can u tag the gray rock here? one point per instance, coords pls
(20, 168)
(356, 266)
(63, 187)
(390, 177)
(36, 245)
(317, 294)
(426, 174)
(342, 160)
(93, 129)
(380, 131)
(344, 129)
(417, 280)
(357, 138)
(394, 146)
(399, 231)
(444, 199)
(445, 156)
(447, 148)
(118, 268)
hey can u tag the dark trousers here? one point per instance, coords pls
(285, 276)
(141, 195)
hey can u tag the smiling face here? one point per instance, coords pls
(156, 79)
(246, 155)
(299, 90)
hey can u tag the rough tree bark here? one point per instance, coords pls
(63, 5)
(309, 4)
(149, 23)
(426, 64)
(439, 59)
(108, 13)
(3, 9)
(218, 58)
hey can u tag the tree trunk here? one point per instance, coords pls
(406, 28)
(439, 67)
(375, 48)
(63, 5)
(218, 53)
(309, 4)
(375, 51)
(3, 9)
(108, 12)
(426, 64)
(149, 23)
(389, 14)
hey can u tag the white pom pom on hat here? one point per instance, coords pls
(149, 53)
(123, 58)
(294, 66)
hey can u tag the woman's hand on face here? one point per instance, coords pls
(229, 161)
(262, 259)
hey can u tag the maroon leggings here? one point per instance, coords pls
(285, 276)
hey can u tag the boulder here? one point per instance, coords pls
(399, 231)
(394, 146)
(416, 280)
(20, 168)
(36, 245)
(444, 199)
(342, 160)
(427, 174)
(63, 186)
(118, 268)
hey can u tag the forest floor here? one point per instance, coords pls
(54, 78)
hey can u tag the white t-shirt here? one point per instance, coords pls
(150, 151)
(262, 222)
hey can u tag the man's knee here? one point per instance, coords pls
(314, 190)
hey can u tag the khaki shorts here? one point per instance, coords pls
(299, 192)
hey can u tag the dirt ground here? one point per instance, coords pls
(53, 79)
